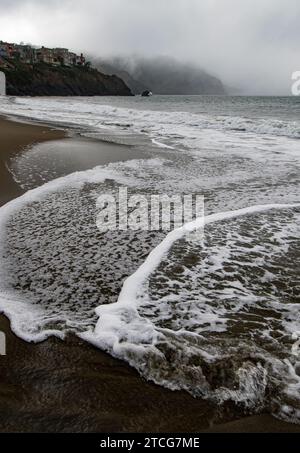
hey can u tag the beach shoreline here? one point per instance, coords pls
(15, 137)
(70, 386)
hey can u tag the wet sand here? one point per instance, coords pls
(71, 386)
(13, 138)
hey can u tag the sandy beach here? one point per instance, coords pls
(71, 386)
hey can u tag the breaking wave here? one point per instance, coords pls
(179, 128)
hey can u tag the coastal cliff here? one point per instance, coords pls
(42, 79)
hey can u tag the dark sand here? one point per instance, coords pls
(71, 386)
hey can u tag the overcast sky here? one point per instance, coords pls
(250, 44)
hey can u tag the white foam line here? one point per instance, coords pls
(77, 179)
(114, 319)
(161, 145)
(154, 258)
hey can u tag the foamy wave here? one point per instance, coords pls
(30, 321)
(117, 318)
(168, 129)
(170, 345)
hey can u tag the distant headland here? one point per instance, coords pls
(161, 75)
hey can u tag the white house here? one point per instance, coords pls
(2, 84)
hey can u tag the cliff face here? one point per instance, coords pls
(46, 80)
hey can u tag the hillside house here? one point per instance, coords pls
(30, 55)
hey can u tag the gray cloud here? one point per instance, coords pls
(251, 44)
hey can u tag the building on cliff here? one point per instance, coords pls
(31, 55)
(45, 55)
(26, 54)
(64, 57)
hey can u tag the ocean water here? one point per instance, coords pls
(218, 315)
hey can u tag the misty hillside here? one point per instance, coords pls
(161, 75)
(116, 67)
